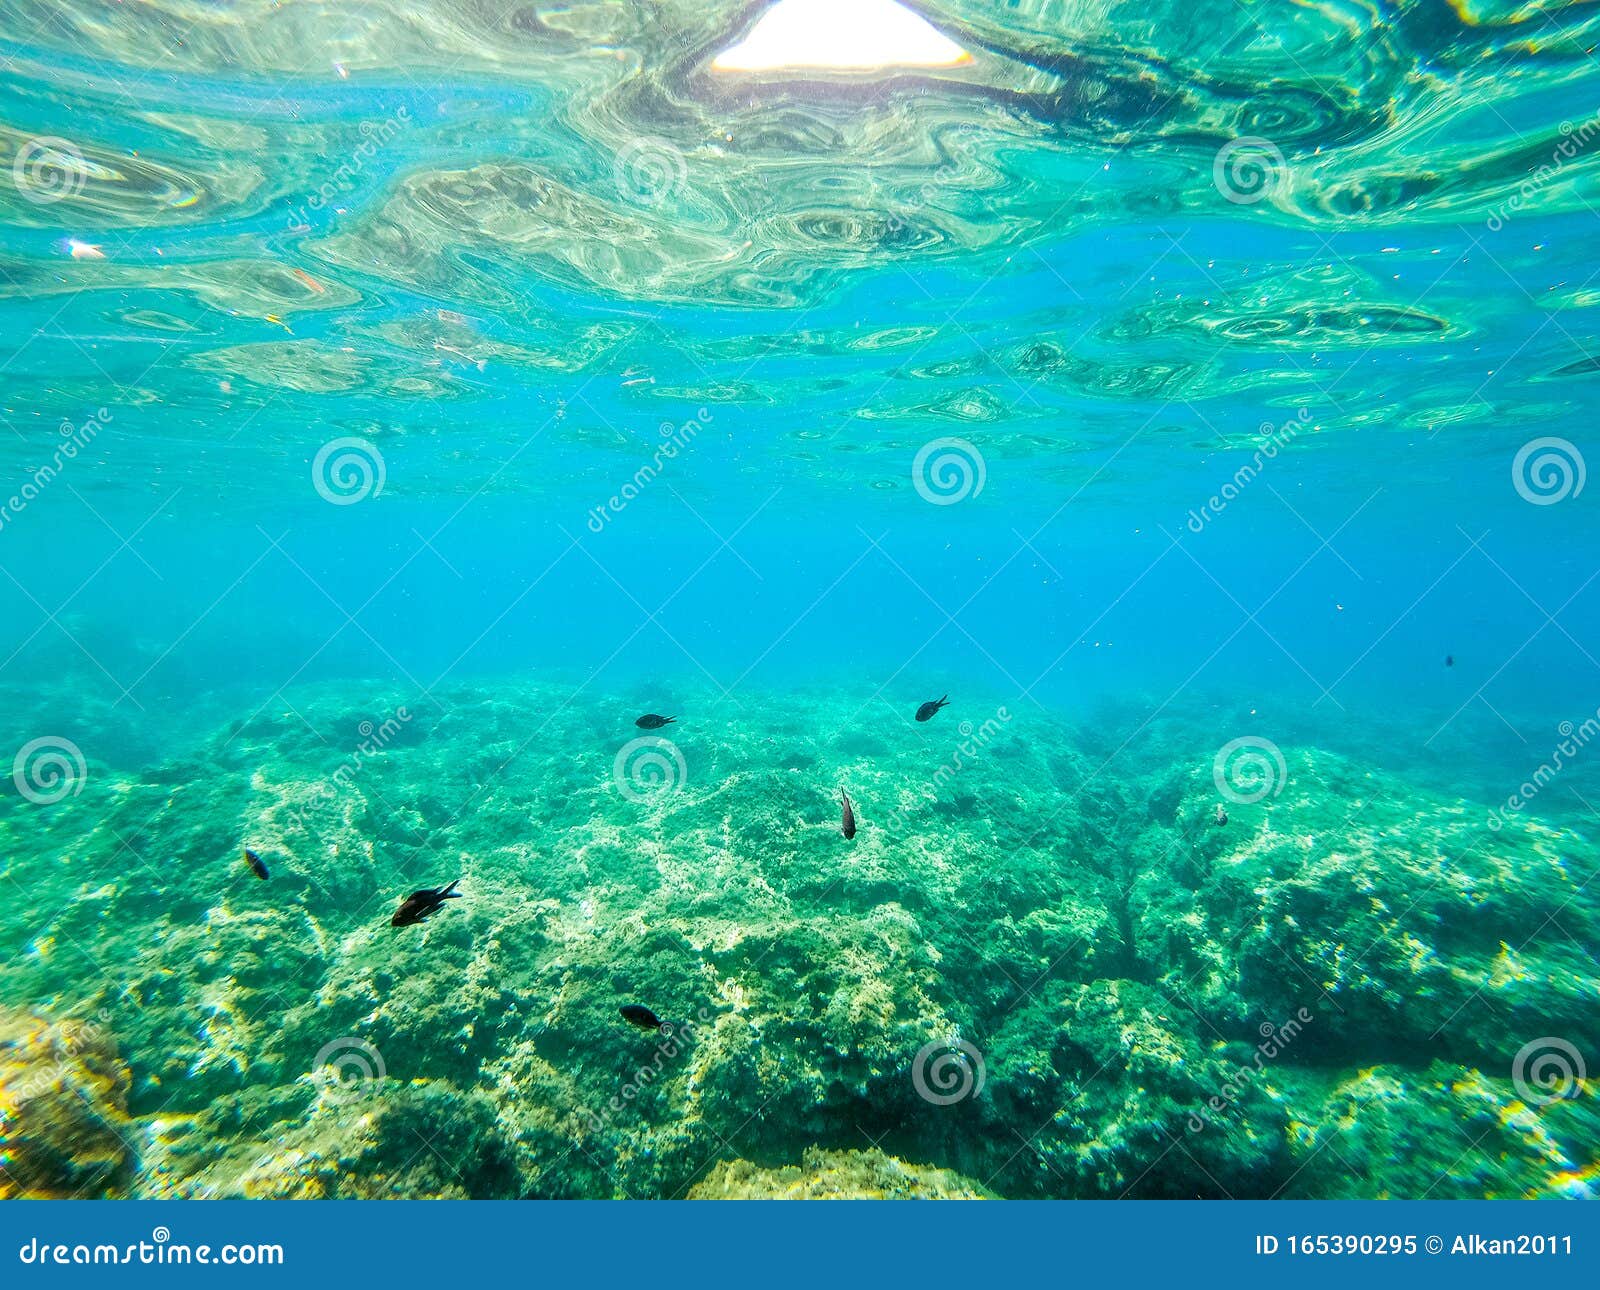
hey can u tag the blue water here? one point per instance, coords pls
(1248, 460)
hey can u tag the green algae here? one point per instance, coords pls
(1049, 979)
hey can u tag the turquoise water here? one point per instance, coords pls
(399, 400)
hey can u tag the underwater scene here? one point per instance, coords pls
(707, 599)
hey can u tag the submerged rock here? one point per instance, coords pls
(836, 1175)
(1018, 951)
(64, 1128)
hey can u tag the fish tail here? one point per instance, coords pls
(450, 891)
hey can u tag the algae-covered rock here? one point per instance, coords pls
(836, 1175)
(1127, 1097)
(1058, 979)
(64, 1128)
(1395, 1132)
(1409, 926)
(373, 1140)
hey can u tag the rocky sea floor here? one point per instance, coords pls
(1047, 965)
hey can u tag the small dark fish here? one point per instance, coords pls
(1221, 817)
(419, 904)
(257, 865)
(638, 1015)
(652, 722)
(848, 825)
(1449, 660)
(926, 711)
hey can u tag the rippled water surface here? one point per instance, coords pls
(399, 400)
